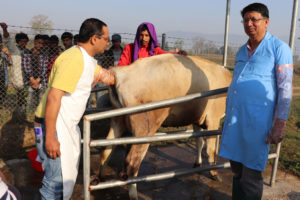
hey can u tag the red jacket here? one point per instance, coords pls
(126, 56)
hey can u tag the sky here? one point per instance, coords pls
(124, 16)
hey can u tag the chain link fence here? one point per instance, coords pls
(24, 75)
(24, 78)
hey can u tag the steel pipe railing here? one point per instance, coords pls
(176, 135)
(157, 177)
(157, 138)
(153, 105)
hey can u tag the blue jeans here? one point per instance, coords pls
(52, 184)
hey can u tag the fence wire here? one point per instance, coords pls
(20, 92)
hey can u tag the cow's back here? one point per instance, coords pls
(168, 76)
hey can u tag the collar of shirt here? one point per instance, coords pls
(250, 51)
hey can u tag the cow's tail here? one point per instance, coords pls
(114, 98)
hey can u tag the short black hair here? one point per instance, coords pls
(21, 36)
(89, 28)
(38, 36)
(67, 35)
(257, 7)
(76, 37)
(54, 39)
(45, 37)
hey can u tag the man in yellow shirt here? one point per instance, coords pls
(62, 106)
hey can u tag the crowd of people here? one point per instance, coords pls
(30, 68)
(60, 81)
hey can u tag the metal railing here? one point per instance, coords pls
(87, 143)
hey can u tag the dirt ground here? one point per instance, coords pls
(160, 158)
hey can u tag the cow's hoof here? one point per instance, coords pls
(215, 177)
(197, 165)
(94, 180)
(123, 176)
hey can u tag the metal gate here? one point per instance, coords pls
(88, 143)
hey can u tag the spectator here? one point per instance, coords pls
(258, 103)
(35, 67)
(76, 38)
(112, 56)
(46, 45)
(145, 45)
(62, 107)
(5, 60)
(109, 58)
(17, 73)
(67, 39)
(55, 50)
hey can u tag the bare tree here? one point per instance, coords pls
(40, 24)
(210, 47)
(178, 44)
(198, 45)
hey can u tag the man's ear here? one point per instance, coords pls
(93, 39)
(267, 22)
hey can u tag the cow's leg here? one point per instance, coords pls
(142, 124)
(116, 129)
(212, 124)
(132, 192)
(134, 160)
(199, 144)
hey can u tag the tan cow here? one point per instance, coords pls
(163, 77)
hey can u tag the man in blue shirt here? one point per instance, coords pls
(258, 103)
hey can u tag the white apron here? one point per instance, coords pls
(68, 133)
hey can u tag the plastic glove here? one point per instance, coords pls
(104, 76)
(276, 133)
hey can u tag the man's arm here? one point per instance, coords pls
(103, 76)
(4, 28)
(52, 108)
(284, 80)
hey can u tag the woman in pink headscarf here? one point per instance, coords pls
(145, 45)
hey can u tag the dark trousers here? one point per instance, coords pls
(246, 182)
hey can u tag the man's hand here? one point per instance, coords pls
(182, 52)
(34, 83)
(4, 28)
(3, 25)
(276, 133)
(52, 147)
(4, 50)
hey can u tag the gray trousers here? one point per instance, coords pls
(250, 180)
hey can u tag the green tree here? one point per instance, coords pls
(178, 44)
(40, 24)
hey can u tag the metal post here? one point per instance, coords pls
(293, 25)
(217, 145)
(86, 158)
(275, 165)
(163, 41)
(226, 33)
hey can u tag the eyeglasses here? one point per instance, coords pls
(105, 38)
(253, 20)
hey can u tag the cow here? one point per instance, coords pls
(158, 78)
